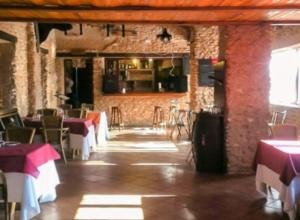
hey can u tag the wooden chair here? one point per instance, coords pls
(74, 113)
(90, 107)
(65, 106)
(182, 121)
(47, 111)
(84, 113)
(278, 117)
(3, 195)
(23, 135)
(54, 133)
(284, 132)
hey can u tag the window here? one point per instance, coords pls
(284, 76)
(144, 75)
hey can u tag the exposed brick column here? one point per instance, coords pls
(204, 45)
(247, 53)
(193, 74)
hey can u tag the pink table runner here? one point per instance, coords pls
(26, 158)
(76, 125)
(283, 157)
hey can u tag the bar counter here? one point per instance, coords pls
(167, 94)
(138, 107)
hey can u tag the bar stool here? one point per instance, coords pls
(116, 118)
(158, 117)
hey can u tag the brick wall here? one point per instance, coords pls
(247, 92)
(284, 36)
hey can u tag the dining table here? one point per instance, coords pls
(277, 165)
(81, 133)
(31, 175)
(102, 132)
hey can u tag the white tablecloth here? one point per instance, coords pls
(78, 141)
(85, 144)
(29, 191)
(102, 132)
(289, 195)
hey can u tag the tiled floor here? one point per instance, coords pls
(142, 175)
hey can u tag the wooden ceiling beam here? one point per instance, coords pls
(157, 3)
(291, 16)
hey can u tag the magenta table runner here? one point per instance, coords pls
(76, 125)
(26, 158)
(283, 157)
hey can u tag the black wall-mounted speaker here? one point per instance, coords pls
(205, 70)
(181, 83)
(110, 83)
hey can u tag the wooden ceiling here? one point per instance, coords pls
(155, 11)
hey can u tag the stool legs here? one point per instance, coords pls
(116, 118)
(158, 117)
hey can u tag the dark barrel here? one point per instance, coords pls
(208, 143)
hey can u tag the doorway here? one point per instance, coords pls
(79, 81)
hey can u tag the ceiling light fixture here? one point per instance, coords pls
(165, 36)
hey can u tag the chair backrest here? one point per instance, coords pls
(52, 129)
(182, 117)
(90, 107)
(284, 132)
(278, 117)
(47, 111)
(10, 118)
(74, 113)
(23, 135)
(65, 106)
(84, 113)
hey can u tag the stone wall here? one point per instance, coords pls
(247, 92)
(7, 92)
(146, 41)
(204, 45)
(137, 110)
(52, 75)
(25, 84)
(34, 71)
(19, 65)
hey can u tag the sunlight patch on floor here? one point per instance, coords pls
(141, 146)
(113, 207)
(97, 163)
(94, 199)
(155, 164)
(95, 213)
